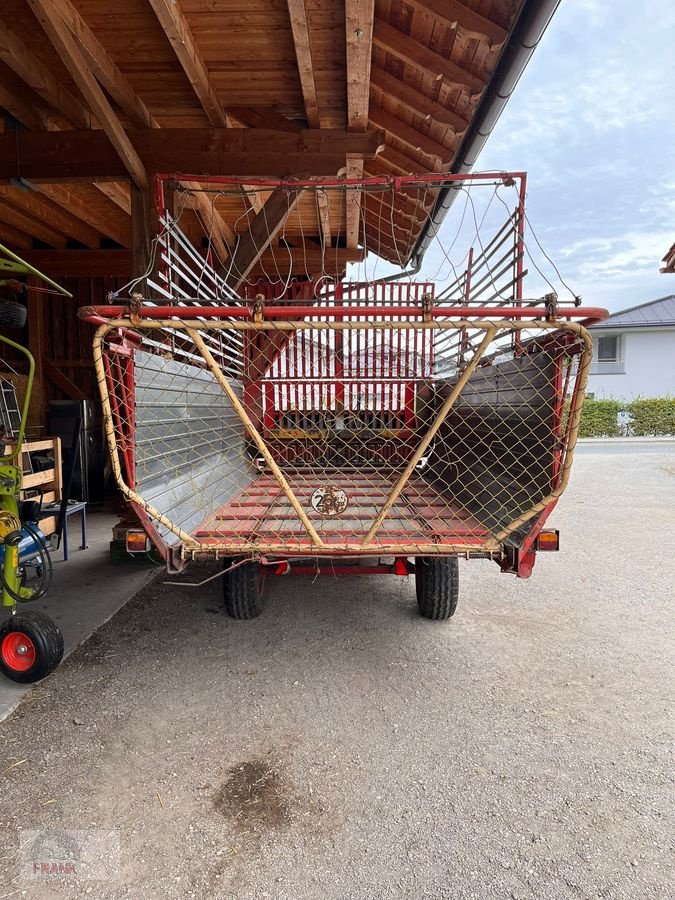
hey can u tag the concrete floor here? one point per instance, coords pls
(86, 590)
(341, 747)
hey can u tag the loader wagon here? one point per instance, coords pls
(338, 427)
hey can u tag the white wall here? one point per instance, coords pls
(649, 365)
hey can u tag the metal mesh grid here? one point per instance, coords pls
(341, 436)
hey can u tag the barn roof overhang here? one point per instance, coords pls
(98, 101)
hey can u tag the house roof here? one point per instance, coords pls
(646, 315)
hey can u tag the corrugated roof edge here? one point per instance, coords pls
(526, 33)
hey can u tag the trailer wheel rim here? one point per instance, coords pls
(18, 651)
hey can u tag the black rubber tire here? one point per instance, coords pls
(437, 586)
(46, 638)
(12, 314)
(244, 590)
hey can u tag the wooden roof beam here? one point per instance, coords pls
(408, 135)
(303, 54)
(178, 32)
(415, 102)
(37, 76)
(359, 20)
(454, 14)
(73, 58)
(410, 51)
(264, 228)
(103, 67)
(56, 156)
(47, 211)
(116, 191)
(66, 197)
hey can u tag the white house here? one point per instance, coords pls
(634, 352)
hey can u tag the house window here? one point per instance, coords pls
(608, 358)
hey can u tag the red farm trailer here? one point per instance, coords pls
(344, 427)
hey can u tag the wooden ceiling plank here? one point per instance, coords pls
(453, 14)
(178, 32)
(416, 102)
(58, 156)
(264, 228)
(68, 48)
(103, 67)
(303, 53)
(415, 54)
(359, 20)
(37, 76)
(408, 135)
(66, 197)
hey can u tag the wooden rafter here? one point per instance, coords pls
(359, 19)
(23, 110)
(15, 53)
(67, 197)
(303, 53)
(408, 135)
(180, 37)
(416, 102)
(74, 60)
(24, 221)
(406, 48)
(264, 228)
(36, 118)
(45, 210)
(53, 156)
(103, 67)
(220, 234)
(454, 14)
(116, 191)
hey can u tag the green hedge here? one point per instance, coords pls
(651, 416)
(599, 418)
(648, 416)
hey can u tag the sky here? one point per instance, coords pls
(592, 121)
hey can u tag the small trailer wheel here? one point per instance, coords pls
(437, 586)
(244, 590)
(12, 314)
(31, 646)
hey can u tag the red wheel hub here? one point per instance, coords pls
(18, 651)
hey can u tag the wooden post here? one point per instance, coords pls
(144, 227)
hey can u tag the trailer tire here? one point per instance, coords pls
(12, 314)
(244, 590)
(437, 586)
(31, 646)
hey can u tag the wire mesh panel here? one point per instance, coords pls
(334, 436)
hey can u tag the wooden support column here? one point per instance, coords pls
(144, 227)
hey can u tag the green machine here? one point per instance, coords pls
(31, 644)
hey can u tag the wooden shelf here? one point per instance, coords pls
(49, 482)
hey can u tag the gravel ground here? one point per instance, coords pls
(342, 747)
